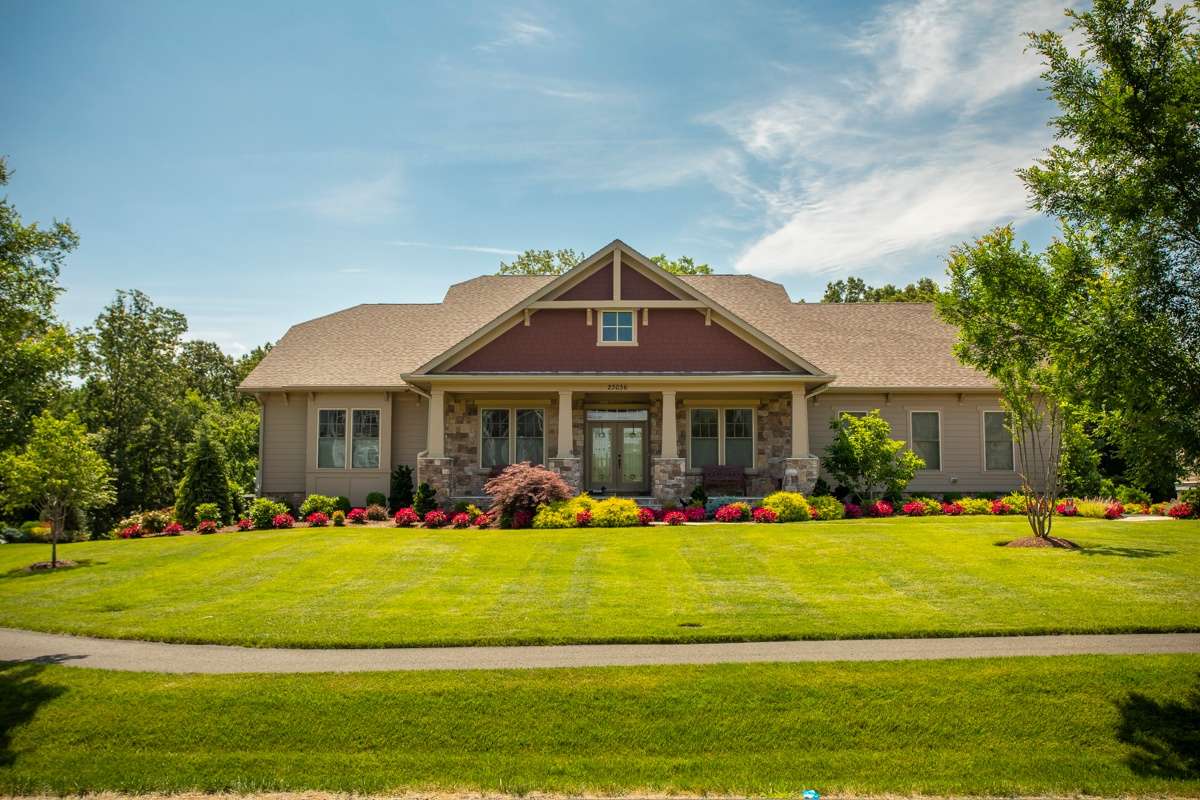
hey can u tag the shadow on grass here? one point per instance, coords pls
(1165, 736)
(21, 695)
(26, 572)
(1124, 552)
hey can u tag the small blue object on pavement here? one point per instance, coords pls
(811, 794)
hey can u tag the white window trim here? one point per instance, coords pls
(350, 438)
(512, 431)
(720, 412)
(983, 412)
(600, 328)
(938, 411)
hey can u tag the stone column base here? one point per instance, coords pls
(800, 474)
(669, 479)
(571, 470)
(437, 472)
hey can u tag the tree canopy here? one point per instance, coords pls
(856, 290)
(556, 262)
(865, 459)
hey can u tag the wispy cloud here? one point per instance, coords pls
(353, 271)
(466, 248)
(364, 200)
(518, 32)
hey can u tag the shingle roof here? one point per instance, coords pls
(868, 345)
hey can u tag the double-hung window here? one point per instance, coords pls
(617, 327)
(926, 434)
(505, 431)
(331, 438)
(721, 436)
(359, 450)
(364, 441)
(997, 442)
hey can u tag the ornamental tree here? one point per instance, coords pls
(58, 470)
(205, 478)
(864, 458)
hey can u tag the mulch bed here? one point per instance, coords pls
(62, 563)
(1047, 541)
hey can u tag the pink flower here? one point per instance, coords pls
(404, 517)
(914, 508)
(1114, 511)
(881, 508)
(695, 513)
(357, 515)
(731, 512)
(853, 511)
(318, 519)
(583, 518)
(952, 509)
(482, 520)
(207, 526)
(244, 524)
(435, 518)
(174, 529)
(283, 521)
(460, 520)
(765, 515)
(1180, 511)
(1066, 508)
(674, 518)
(999, 507)
(131, 532)
(645, 515)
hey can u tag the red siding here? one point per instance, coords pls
(636, 286)
(597, 286)
(676, 340)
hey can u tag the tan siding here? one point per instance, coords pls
(962, 435)
(283, 444)
(409, 413)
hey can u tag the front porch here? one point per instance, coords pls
(620, 438)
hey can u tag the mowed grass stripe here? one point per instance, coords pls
(358, 587)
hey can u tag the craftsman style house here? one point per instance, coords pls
(622, 377)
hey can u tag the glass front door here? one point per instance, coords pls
(616, 457)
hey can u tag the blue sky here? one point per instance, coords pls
(258, 164)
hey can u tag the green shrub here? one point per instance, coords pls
(339, 518)
(1096, 509)
(400, 491)
(376, 499)
(1131, 495)
(699, 496)
(342, 503)
(318, 502)
(932, 507)
(615, 512)
(976, 505)
(210, 512)
(425, 500)
(1017, 501)
(561, 513)
(826, 507)
(820, 489)
(263, 511)
(788, 506)
(205, 478)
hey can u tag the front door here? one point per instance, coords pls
(616, 457)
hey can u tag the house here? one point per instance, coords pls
(623, 378)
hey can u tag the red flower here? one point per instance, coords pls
(1066, 508)
(435, 519)
(1114, 511)
(853, 511)
(1181, 511)
(244, 524)
(283, 521)
(881, 508)
(318, 519)
(482, 520)
(460, 520)
(404, 517)
(674, 518)
(174, 529)
(914, 508)
(952, 509)
(357, 515)
(583, 518)
(645, 515)
(131, 532)
(1000, 507)
(207, 526)
(765, 515)
(695, 513)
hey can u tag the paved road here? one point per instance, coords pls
(117, 654)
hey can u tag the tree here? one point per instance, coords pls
(856, 290)
(1014, 311)
(236, 429)
(1125, 172)
(683, 266)
(205, 477)
(57, 471)
(36, 351)
(864, 458)
(246, 364)
(208, 371)
(542, 262)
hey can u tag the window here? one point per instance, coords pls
(331, 438)
(507, 430)
(616, 327)
(997, 442)
(364, 441)
(721, 436)
(926, 437)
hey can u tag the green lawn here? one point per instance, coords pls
(1032, 726)
(384, 586)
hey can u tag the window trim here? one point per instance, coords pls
(983, 412)
(350, 438)
(512, 431)
(720, 410)
(600, 327)
(938, 411)
(345, 440)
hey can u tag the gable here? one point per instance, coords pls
(636, 286)
(669, 340)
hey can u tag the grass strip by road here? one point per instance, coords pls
(347, 587)
(1109, 725)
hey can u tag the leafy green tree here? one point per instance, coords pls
(209, 372)
(684, 265)
(856, 290)
(542, 262)
(1079, 467)
(236, 429)
(36, 351)
(866, 460)
(246, 364)
(58, 472)
(205, 478)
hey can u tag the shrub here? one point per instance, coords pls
(207, 526)
(521, 519)
(318, 519)
(339, 519)
(375, 513)
(400, 490)
(865, 458)
(788, 506)
(914, 508)
(715, 502)
(1094, 509)
(283, 520)
(975, 505)
(880, 508)
(208, 512)
(615, 512)
(460, 520)
(1160, 509)
(482, 519)
(318, 503)
(435, 518)
(174, 529)
(646, 515)
(424, 499)
(932, 507)
(341, 503)
(1114, 511)
(699, 496)
(405, 517)
(826, 506)
(565, 513)
(130, 532)
(820, 489)
(695, 513)
(1136, 508)
(674, 518)
(205, 477)
(1181, 510)
(1016, 501)
(952, 509)
(245, 524)
(1131, 495)
(376, 499)
(1000, 508)
(357, 515)
(851, 511)
(732, 512)
(765, 515)
(522, 488)
(583, 518)
(1191, 496)
(263, 511)
(1066, 508)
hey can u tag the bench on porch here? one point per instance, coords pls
(731, 480)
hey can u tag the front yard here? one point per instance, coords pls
(383, 586)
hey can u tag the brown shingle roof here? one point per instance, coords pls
(889, 345)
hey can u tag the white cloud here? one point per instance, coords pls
(360, 201)
(467, 248)
(519, 32)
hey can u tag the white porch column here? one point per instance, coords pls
(670, 440)
(799, 424)
(566, 437)
(435, 431)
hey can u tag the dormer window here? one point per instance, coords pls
(617, 328)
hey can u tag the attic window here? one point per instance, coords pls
(617, 328)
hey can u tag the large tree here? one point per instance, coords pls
(1124, 175)
(36, 351)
